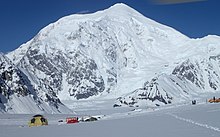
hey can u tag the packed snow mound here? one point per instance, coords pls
(112, 53)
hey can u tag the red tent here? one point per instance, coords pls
(71, 120)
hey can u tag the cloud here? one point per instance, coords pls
(175, 1)
(83, 12)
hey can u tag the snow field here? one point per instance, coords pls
(183, 121)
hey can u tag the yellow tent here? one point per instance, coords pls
(37, 120)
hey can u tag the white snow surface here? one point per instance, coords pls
(185, 120)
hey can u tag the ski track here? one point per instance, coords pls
(214, 110)
(194, 122)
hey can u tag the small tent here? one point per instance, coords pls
(91, 119)
(71, 120)
(37, 120)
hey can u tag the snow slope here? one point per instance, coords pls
(18, 95)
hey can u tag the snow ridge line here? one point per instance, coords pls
(195, 123)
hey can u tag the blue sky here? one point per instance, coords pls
(21, 20)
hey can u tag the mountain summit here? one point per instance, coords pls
(115, 53)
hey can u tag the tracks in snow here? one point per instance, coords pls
(195, 123)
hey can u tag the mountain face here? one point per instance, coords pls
(79, 73)
(187, 81)
(17, 94)
(115, 53)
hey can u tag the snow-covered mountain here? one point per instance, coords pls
(195, 73)
(113, 53)
(18, 94)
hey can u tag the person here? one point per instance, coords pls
(194, 102)
(214, 98)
